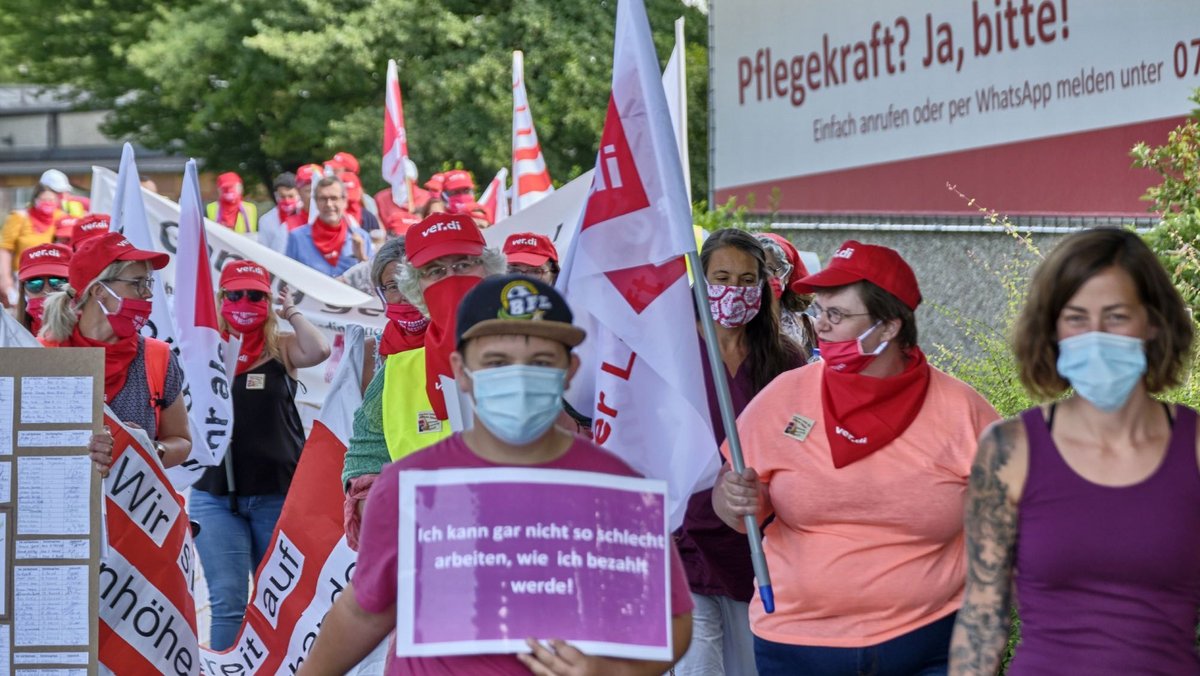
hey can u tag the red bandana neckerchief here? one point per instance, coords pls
(404, 331)
(864, 414)
(117, 358)
(329, 239)
(41, 222)
(296, 220)
(227, 212)
(354, 209)
(253, 344)
(442, 298)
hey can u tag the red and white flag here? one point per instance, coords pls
(395, 140)
(531, 179)
(495, 198)
(208, 361)
(208, 364)
(308, 563)
(624, 278)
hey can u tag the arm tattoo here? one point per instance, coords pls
(982, 627)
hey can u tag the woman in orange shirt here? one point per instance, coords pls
(27, 228)
(862, 460)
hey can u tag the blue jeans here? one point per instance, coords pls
(920, 652)
(231, 546)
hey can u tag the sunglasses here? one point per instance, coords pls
(39, 284)
(254, 296)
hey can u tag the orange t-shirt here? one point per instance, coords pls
(866, 553)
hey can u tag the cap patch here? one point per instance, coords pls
(520, 299)
(847, 253)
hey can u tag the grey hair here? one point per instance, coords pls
(63, 307)
(391, 251)
(494, 263)
(328, 181)
(772, 247)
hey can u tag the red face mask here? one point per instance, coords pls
(130, 316)
(46, 208)
(776, 287)
(407, 317)
(35, 308)
(288, 206)
(847, 356)
(459, 203)
(245, 315)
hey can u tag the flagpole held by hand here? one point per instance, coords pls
(699, 291)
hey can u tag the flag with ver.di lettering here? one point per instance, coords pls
(624, 278)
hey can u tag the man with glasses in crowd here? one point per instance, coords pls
(331, 243)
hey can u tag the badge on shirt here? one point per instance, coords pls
(799, 427)
(427, 421)
(256, 381)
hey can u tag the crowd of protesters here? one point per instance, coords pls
(902, 519)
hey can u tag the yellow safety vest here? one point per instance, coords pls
(248, 211)
(409, 423)
(73, 207)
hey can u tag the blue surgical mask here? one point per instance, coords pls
(1102, 367)
(518, 403)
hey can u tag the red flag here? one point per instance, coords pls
(495, 198)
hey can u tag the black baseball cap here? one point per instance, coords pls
(516, 304)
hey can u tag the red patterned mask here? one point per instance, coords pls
(734, 306)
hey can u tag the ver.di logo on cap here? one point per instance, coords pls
(53, 253)
(847, 253)
(520, 299)
(527, 241)
(440, 227)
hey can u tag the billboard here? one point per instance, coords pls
(874, 106)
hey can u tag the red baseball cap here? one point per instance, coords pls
(457, 179)
(98, 253)
(344, 160)
(228, 180)
(443, 234)
(88, 227)
(436, 183)
(306, 172)
(245, 275)
(855, 262)
(529, 248)
(354, 190)
(46, 260)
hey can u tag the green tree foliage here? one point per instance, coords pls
(1176, 199)
(260, 87)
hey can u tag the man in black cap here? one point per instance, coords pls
(514, 342)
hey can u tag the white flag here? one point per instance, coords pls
(208, 362)
(495, 197)
(624, 278)
(674, 82)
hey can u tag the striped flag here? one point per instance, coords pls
(495, 198)
(395, 141)
(531, 179)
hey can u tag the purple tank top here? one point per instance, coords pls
(1108, 579)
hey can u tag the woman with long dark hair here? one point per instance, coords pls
(754, 351)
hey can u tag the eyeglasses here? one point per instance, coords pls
(528, 270)
(143, 284)
(434, 273)
(390, 287)
(39, 284)
(834, 315)
(781, 271)
(254, 296)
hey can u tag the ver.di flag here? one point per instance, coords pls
(531, 179)
(207, 365)
(395, 140)
(625, 279)
(495, 198)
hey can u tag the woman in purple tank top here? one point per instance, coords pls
(1089, 508)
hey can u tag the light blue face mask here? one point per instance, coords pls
(518, 403)
(1102, 367)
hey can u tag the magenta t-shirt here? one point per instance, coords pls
(375, 574)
